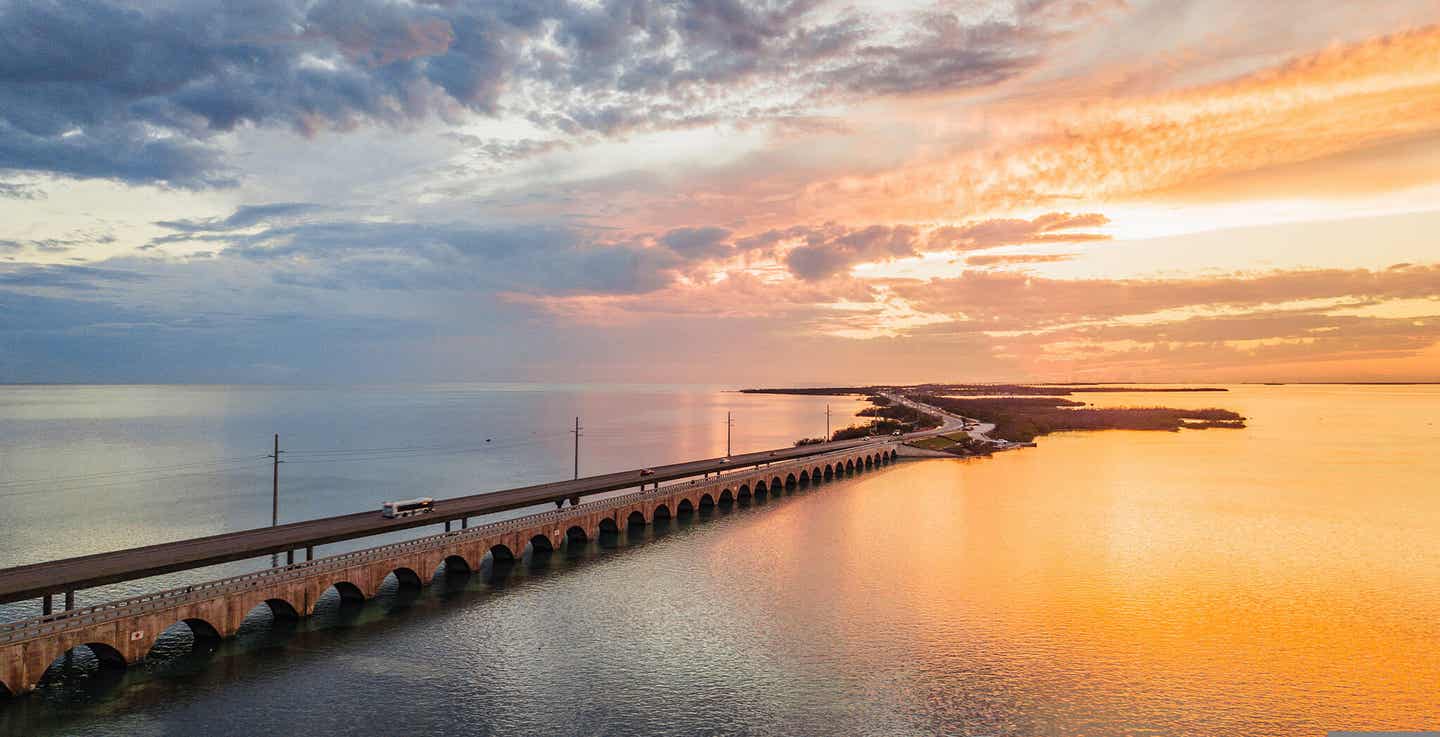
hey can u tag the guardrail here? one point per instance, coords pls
(27, 629)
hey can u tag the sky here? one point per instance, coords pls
(719, 191)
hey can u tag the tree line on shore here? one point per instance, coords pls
(1022, 419)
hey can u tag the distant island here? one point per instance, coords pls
(1047, 390)
(1019, 412)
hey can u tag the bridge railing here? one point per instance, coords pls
(74, 618)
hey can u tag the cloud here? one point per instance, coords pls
(144, 93)
(826, 254)
(82, 278)
(1017, 259)
(1063, 145)
(245, 216)
(13, 191)
(833, 249)
(698, 243)
(82, 237)
(1020, 301)
(342, 254)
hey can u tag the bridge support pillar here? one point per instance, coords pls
(447, 525)
(289, 557)
(309, 552)
(464, 522)
(46, 606)
(69, 600)
(575, 500)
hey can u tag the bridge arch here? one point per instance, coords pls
(540, 545)
(776, 484)
(706, 501)
(660, 512)
(406, 578)
(86, 661)
(684, 508)
(829, 472)
(501, 553)
(607, 524)
(849, 466)
(455, 565)
(791, 481)
(804, 477)
(726, 497)
(575, 536)
(743, 494)
(869, 463)
(348, 591)
(636, 519)
(189, 635)
(262, 612)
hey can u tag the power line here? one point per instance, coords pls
(392, 455)
(115, 483)
(14, 483)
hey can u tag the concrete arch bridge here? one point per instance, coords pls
(121, 633)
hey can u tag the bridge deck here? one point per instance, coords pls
(71, 574)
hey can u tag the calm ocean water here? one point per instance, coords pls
(1280, 580)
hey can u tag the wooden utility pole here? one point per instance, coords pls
(275, 483)
(577, 447)
(729, 423)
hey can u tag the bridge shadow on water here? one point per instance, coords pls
(190, 660)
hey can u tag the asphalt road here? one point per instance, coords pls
(72, 574)
(951, 422)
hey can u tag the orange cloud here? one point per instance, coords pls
(1343, 99)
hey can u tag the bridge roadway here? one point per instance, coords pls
(72, 574)
(123, 632)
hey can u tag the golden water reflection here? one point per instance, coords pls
(1279, 580)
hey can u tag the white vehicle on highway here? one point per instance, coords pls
(407, 507)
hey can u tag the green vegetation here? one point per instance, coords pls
(955, 443)
(1022, 419)
(939, 442)
(889, 419)
(909, 416)
(876, 427)
(808, 441)
(982, 390)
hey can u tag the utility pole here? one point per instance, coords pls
(577, 447)
(275, 483)
(729, 423)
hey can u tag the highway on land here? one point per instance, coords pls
(951, 422)
(88, 571)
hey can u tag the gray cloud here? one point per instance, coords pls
(83, 237)
(245, 216)
(826, 255)
(10, 190)
(83, 278)
(831, 249)
(698, 243)
(339, 254)
(138, 92)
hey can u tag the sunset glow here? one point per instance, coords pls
(1054, 190)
